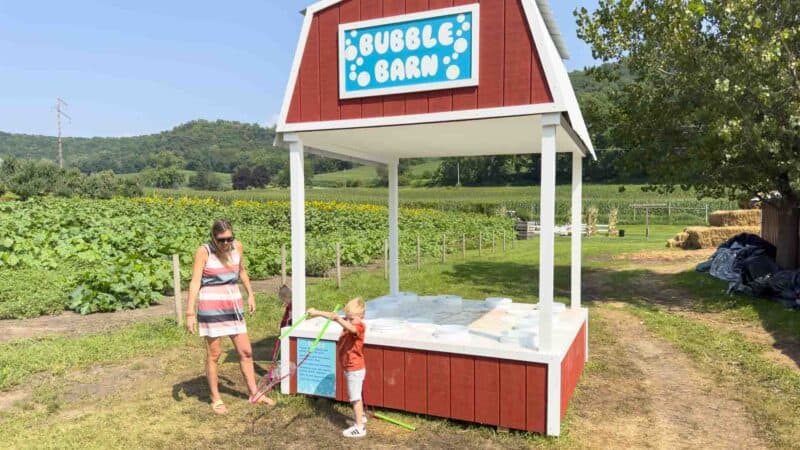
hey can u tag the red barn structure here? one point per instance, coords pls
(376, 81)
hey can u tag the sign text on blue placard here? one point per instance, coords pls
(317, 375)
(410, 53)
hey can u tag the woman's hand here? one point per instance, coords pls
(251, 303)
(191, 323)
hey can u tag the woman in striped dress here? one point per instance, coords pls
(218, 267)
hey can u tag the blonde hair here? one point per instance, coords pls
(355, 306)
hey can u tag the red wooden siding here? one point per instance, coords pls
(293, 360)
(373, 383)
(572, 367)
(393, 378)
(487, 389)
(416, 382)
(341, 385)
(511, 394)
(462, 386)
(438, 384)
(511, 72)
(536, 398)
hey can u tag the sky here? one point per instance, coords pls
(128, 68)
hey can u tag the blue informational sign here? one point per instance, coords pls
(317, 375)
(410, 53)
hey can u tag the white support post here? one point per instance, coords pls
(394, 233)
(285, 360)
(298, 225)
(554, 398)
(547, 213)
(577, 218)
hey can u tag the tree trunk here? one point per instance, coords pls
(781, 227)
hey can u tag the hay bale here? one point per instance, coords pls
(712, 237)
(738, 218)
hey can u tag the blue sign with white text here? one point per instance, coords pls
(317, 375)
(410, 53)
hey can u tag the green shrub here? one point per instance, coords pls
(26, 293)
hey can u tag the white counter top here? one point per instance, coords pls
(450, 325)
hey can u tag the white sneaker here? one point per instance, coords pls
(355, 432)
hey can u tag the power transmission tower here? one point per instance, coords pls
(59, 112)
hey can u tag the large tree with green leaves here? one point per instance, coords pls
(714, 102)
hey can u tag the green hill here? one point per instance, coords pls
(223, 145)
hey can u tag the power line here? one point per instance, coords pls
(59, 112)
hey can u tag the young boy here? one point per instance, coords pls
(351, 354)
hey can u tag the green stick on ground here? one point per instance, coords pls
(395, 421)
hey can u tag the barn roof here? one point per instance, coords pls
(552, 51)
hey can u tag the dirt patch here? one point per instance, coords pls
(73, 324)
(649, 394)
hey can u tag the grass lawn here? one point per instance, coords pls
(159, 396)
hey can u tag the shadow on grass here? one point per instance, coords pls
(197, 388)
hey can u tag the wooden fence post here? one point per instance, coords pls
(480, 244)
(176, 285)
(385, 259)
(504, 241)
(419, 254)
(464, 246)
(706, 213)
(283, 265)
(444, 248)
(338, 265)
(647, 224)
(493, 238)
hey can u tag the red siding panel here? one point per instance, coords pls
(349, 11)
(393, 378)
(462, 387)
(293, 360)
(394, 105)
(341, 386)
(373, 383)
(329, 63)
(512, 393)
(492, 42)
(416, 382)
(439, 384)
(309, 76)
(371, 106)
(540, 90)
(536, 398)
(572, 367)
(294, 106)
(518, 53)
(487, 391)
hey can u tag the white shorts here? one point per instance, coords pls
(355, 380)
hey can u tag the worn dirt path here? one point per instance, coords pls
(650, 395)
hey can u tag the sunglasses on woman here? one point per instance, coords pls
(226, 240)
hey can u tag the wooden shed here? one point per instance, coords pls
(376, 81)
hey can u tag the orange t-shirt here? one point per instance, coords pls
(351, 348)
